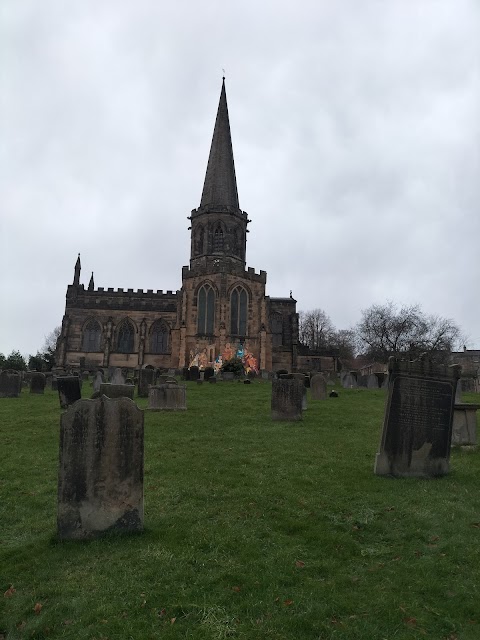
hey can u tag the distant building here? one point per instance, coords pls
(221, 310)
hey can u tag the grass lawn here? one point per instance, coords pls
(254, 530)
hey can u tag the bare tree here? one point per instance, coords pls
(387, 330)
(315, 329)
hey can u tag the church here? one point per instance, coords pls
(221, 310)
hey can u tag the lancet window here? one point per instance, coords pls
(125, 337)
(159, 337)
(238, 312)
(92, 335)
(206, 310)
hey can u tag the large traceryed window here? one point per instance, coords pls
(238, 312)
(92, 335)
(159, 337)
(125, 337)
(206, 310)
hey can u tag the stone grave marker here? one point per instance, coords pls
(117, 390)
(464, 429)
(349, 381)
(318, 387)
(287, 399)
(100, 481)
(212, 380)
(194, 373)
(146, 377)
(167, 397)
(118, 377)
(68, 390)
(372, 382)
(37, 383)
(97, 381)
(208, 373)
(417, 428)
(10, 383)
(228, 375)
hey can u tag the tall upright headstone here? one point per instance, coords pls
(10, 383)
(117, 377)
(318, 387)
(417, 427)
(287, 399)
(146, 378)
(100, 482)
(372, 381)
(37, 383)
(68, 390)
(97, 381)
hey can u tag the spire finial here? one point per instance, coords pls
(76, 276)
(91, 285)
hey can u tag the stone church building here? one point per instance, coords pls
(220, 310)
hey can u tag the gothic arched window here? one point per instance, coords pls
(218, 239)
(159, 337)
(206, 310)
(238, 312)
(125, 337)
(276, 326)
(92, 335)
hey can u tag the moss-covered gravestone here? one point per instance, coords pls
(100, 482)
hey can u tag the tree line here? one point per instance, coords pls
(383, 331)
(44, 360)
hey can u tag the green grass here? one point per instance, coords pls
(254, 530)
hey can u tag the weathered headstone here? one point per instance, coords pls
(349, 381)
(287, 399)
(97, 381)
(37, 383)
(464, 429)
(68, 390)
(146, 377)
(417, 428)
(100, 482)
(167, 397)
(194, 373)
(118, 377)
(117, 390)
(372, 382)
(10, 383)
(318, 387)
(208, 373)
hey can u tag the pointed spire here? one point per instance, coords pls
(76, 277)
(91, 284)
(220, 187)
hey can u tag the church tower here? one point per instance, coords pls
(219, 226)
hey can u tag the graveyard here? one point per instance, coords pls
(253, 528)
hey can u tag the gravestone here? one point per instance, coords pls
(228, 375)
(208, 373)
(458, 392)
(185, 373)
(349, 381)
(212, 380)
(97, 381)
(100, 481)
(171, 372)
(287, 399)
(68, 390)
(117, 377)
(194, 373)
(362, 381)
(318, 387)
(167, 397)
(10, 383)
(417, 428)
(464, 429)
(37, 383)
(372, 382)
(117, 390)
(146, 377)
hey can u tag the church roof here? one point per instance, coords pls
(220, 187)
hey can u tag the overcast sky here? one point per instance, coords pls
(356, 135)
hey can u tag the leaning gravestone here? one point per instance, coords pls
(287, 399)
(100, 481)
(10, 383)
(97, 381)
(167, 397)
(318, 387)
(68, 390)
(117, 377)
(417, 428)
(117, 390)
(37, 383)
(146, 377)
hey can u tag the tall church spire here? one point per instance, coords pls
(220, 187)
